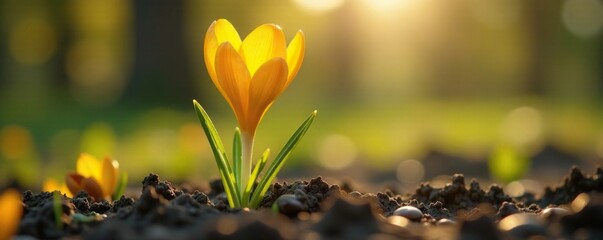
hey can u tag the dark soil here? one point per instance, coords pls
(317, 210)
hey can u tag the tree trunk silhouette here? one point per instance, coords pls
(161, 72)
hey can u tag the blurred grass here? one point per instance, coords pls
(170, 142)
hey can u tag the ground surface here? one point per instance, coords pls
(315, 209)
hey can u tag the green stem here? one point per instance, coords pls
(247, 154)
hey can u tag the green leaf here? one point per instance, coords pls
(217, 147)
(256, 172)
(237, 155)
(279, 161)
(57, 205)
(121, 186)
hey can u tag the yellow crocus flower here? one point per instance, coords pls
(11, 208)
(251, 73)
(97, 177)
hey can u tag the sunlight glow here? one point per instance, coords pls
(319, 6)
(385, 5)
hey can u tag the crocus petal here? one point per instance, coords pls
(219, 32)
(11, 208)
(295, 55)
(88, 166)
(74, 182)
(109, 177)
(93, 188)
(266, 85)
(262, 44)
(234, 78)
(116, 173)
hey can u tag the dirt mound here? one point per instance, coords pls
(316, 209)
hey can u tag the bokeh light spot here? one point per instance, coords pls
(515, 189)
(522, 125)
(32, 41)
(519, 187)
(93, 71)
(410, 171)
(336, 152)
(15, 142)
(583, 18)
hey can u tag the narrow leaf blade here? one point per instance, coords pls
(57, 207)
(121, 186)
(255, 173)
(220, 155)
(237, 155)
(280, 160)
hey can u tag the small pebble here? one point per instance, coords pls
(445, 222)
(410, 212)
(355, 194)
(288, 204)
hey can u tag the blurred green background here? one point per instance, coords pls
(407, 90)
